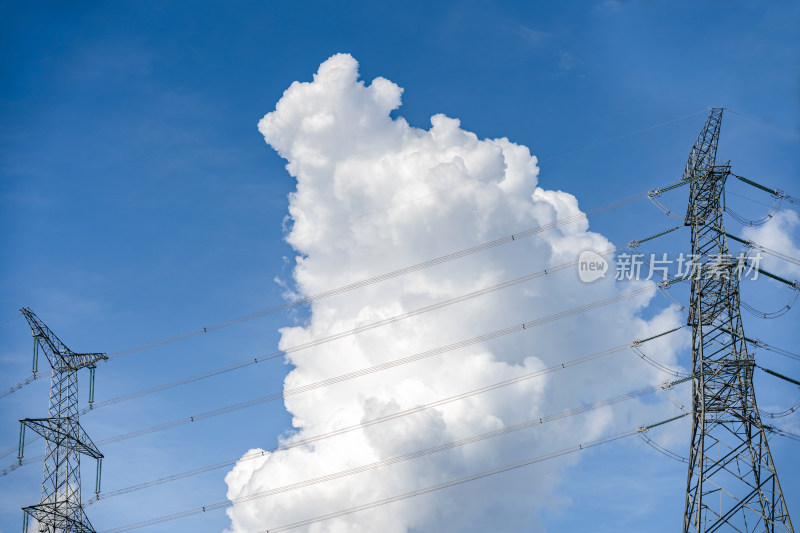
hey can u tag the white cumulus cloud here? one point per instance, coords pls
(351, 157)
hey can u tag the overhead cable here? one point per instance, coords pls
(385, 418)
(772, 314)
(784, 413)
(368, 281)
(412, 200)
(620, 137)
(754, 222)
(753, 200)
(323, 340)
(362, 372)
(366, 327)
(770, 251)
(661, 449)
(466, 479)
(255, 360)
(316, 342)
(486, 473)
(344, 377)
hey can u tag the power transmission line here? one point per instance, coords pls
(370, 370)
(771, 314)
(323, 340)
(782, 433)
(662, 450)
(620, 137)
(649, 360)
(389, 364)
(785, 412)
(262, 358)
(467, 479)
(352, 375)
(753, 222)
(763, 121)
(388, 207)
(786, 353)
(536, 421)
(375, 279)
(770, 251)
(385, 418)
(255, 360)
(783, 210)
(366, 327)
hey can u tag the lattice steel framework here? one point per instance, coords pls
(60, 509)
(732, 484)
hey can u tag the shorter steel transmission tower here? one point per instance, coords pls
(60, 509)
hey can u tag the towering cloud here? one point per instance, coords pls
(375, 194)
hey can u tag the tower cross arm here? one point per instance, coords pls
(85, 360)
(66, 432)
(60, 357)
(49, 512)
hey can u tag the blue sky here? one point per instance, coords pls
(138, 199)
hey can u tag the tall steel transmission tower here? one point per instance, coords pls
(732, 483)
(60, 509)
